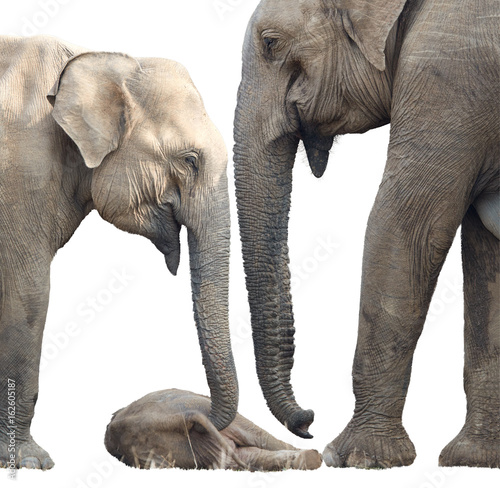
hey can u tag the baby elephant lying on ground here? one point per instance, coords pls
(170, 428)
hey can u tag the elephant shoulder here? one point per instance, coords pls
(29, 66)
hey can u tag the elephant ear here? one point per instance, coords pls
(368, 23)
(90, 102)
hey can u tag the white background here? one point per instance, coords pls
(143, 338)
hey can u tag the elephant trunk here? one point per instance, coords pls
(209, 242)
(263, 172)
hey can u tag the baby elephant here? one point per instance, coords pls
(170, 428)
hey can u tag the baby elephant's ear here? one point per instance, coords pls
(368, 23)
(90, 102)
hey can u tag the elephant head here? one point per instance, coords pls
(158, 163)
(312, 69)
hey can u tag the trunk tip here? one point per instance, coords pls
(299, 423)
(223, 409)
(221, 422)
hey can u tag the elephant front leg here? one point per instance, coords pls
(22, 317)
(375, 437)
(410, 230)
(478, 443)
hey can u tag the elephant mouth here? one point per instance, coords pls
(169, 243)
(317, 148)
(172, 255)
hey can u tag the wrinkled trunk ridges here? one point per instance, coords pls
(263, 190)
(209, 262)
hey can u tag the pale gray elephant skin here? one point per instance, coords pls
(130, 138)
(316, 69)
(170, 428)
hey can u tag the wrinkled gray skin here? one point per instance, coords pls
(171, 428)
(130, 138)
(315, 69)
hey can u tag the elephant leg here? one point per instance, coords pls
(478, 443)
(258, 459)
(24, 295)
(261, 451)
(410, 230)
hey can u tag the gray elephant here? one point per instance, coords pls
(315, 69)
(130, 138)
(171, 428)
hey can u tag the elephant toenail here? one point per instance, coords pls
(30, 463)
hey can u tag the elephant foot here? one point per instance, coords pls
(370, 448)
(471, 450)
(27, 454)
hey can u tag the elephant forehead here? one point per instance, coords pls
(174, 115)
(183, 131)
(163, 79)
(175, 124)
(283, 13)
(172, 101)
(182, 114)
(174, 106)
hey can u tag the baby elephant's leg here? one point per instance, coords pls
(259, 450)
(263, 460)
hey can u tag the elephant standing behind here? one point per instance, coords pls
(316, 69)
(129, 137)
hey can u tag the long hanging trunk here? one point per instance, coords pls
(209, 257)
(263, 172)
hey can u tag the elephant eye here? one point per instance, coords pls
(190, 160)
(271, 44)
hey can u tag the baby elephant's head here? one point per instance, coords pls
(158, 163)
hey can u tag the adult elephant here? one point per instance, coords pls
(315, 69)
(130, 138)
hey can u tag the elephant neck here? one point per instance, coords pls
(395, 40)
(377, 92)
(367, 96)
(75, 199)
